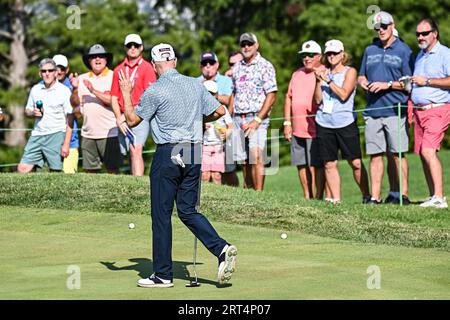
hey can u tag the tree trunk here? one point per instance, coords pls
(16, 138)
(17, 71)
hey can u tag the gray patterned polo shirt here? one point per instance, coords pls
(175, 105)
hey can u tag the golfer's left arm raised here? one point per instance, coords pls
(126, 87)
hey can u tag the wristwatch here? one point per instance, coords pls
(389, 84)
(427, 83)
(287, 123)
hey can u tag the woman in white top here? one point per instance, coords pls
(336, 120)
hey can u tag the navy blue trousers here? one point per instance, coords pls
(170, 183)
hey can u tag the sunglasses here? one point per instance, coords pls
(47, 70)
(330, 53)
(95, 56)
(206, 62)
(424, 33)
(61, 68)
(133, 44)
(246, 44)
(383, 26)
(308, 54)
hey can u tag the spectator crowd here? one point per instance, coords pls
(320, 121)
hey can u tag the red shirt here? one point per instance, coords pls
(141, 73)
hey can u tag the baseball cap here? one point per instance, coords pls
(311, 47)
(162, 52)
(248, 36)
(382, 17)
(334, 46)
(132, 37)
(211, 86)
(60, 60)
(208, 56)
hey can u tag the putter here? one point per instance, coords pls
(195, 283)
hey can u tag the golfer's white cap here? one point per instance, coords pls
(133, 38)
(211, 86)
(163, 52)
(60, 60)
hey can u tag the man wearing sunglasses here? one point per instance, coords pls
(384, 62)
(91, 99)
(299, 125)
(254, 93)
(49, 104)
(142, 75)
(431, 95)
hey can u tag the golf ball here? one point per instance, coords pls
(283, 236)
(131, 225)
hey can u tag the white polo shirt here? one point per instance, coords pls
(56, 105)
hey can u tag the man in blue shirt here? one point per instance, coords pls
(431, 95)
(384, 62)
(209, 65)
(175, 106)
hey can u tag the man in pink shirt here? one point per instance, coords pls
(142, 74)
(91, 97)
(299, 125)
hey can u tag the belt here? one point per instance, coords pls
(245, 114)
(431, 106)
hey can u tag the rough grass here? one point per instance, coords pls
(282, 207)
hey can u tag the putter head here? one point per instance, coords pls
(193, 284)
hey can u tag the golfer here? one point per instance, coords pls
(176, 105)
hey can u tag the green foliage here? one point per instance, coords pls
(196, 26)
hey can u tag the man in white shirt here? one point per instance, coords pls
(49, 104)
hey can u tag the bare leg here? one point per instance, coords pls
(206, 176)
(303, 176)
(376, 175)
(392, 173)
(360, 176)
(435, 168)
(25, 168)
(216, 178)
(333, 179)
(137, 161)
(404, 173)
(428, 178)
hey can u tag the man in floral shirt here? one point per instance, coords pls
(254, 93)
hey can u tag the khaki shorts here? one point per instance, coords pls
(98, 151)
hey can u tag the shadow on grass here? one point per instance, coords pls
(144, 267)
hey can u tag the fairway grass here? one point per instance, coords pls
(40, 246)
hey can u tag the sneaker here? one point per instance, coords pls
(227, 263)
(366, 199)
(405, 201)
(391, 199)
(154, 282)
(435, 202)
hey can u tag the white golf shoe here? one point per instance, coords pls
(154, 282)
(227, 263)
(435, 202)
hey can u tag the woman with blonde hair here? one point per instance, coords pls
(336, 121)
